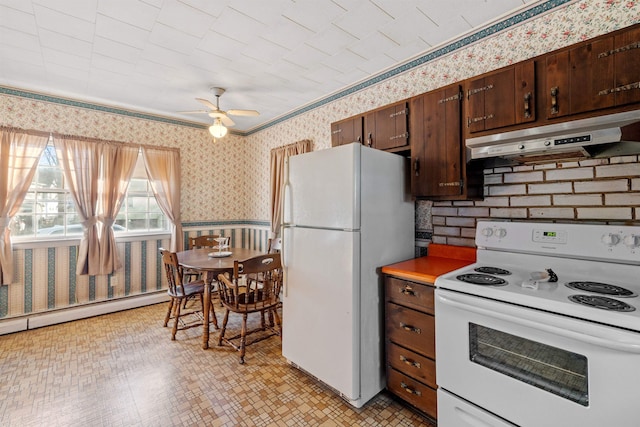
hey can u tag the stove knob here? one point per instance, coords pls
(611, 239)
(501, 232)
(487, 232)
(632, 241)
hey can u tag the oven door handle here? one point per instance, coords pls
(561, 326)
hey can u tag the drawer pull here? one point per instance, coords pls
(408, 291)
(410, 390)
(410, 362)
(409, 328)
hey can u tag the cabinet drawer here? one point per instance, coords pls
(412, 364)
(411, 294)
(419, 395)
(411, 329)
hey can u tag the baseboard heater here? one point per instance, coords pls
(38, 320)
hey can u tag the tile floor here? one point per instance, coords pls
(122, 369)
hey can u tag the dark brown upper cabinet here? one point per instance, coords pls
(626, 66)
(576, 76)
(594, 75)
(438, 165)
(502, 98)
(387, 128)
(346, 131)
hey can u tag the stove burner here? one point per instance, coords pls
(482, 279)
(492, 270)
(604, 303)
(600, 288)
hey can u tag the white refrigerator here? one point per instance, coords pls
(347, 212)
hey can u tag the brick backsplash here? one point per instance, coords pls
(590, 191)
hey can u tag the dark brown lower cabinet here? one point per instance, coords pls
(410, 343)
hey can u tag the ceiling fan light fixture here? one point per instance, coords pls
(217, 129)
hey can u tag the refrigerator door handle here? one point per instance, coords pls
(283, 251)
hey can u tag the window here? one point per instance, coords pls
(140, 211)
(48, 209)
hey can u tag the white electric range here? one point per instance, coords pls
(543, 330)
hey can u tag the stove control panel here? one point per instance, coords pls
(604, 242)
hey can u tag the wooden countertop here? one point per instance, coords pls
(441, 259)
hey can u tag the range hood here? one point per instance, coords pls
(603, 136)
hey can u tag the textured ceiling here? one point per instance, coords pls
(274, 56)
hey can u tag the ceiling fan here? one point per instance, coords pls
(221, 117)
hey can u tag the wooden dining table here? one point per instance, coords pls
(211, 266)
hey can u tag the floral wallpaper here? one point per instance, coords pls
(228, 179)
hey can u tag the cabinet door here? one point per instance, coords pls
(391, 127)
(590, 74)
(436, 143)
(626, 55)
(578, 79)
(369, 129)
(346, 131)
(557, 85)
(503, 98)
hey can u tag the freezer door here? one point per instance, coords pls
(320, 306)
(322, 188)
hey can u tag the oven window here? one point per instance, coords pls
(552, 369)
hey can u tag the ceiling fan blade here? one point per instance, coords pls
(193, 112)
(227, 121)
(243, 112)
(207, 103)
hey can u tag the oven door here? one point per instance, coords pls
(536, 368)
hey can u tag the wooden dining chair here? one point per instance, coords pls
(199, 242)
(254, 287)
(179, 291)
(206, 241)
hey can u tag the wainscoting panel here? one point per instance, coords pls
(45, 281)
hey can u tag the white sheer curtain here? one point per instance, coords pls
(118, 163)
(20, 152)
(278, 157)
(163, 168)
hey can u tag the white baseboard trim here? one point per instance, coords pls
(80, 312)
(13, 325)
